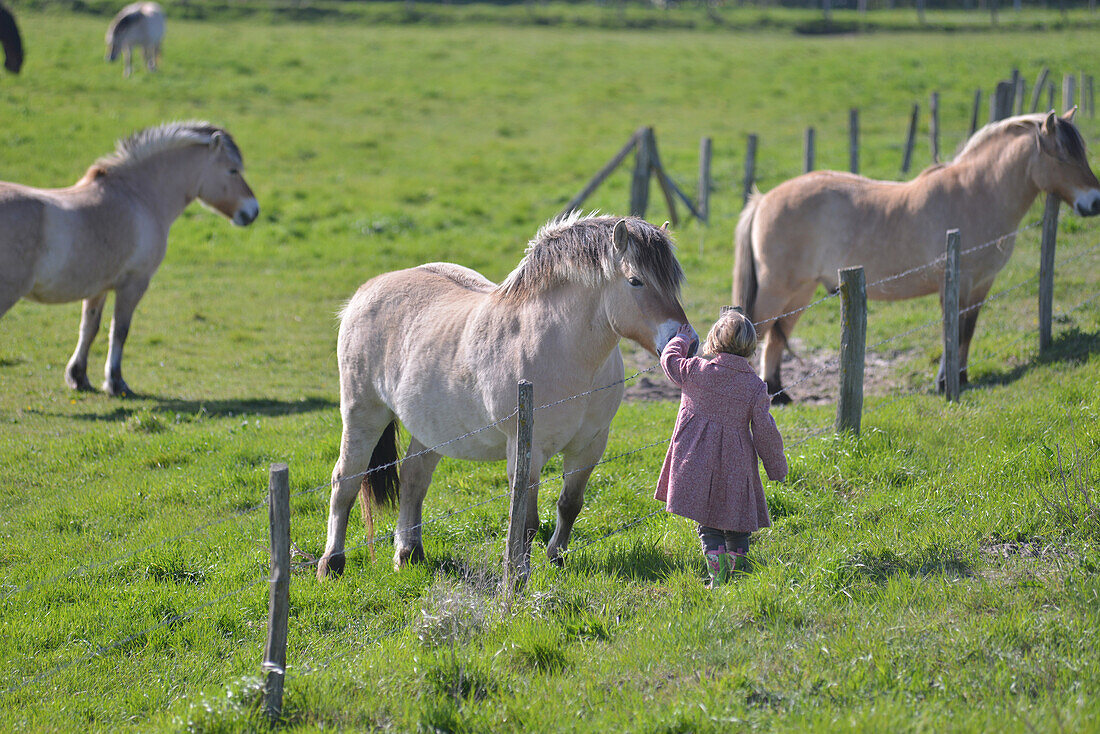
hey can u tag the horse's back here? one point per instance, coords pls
(138, 23)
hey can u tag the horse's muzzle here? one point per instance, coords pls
(1088, 204)
(247, 214)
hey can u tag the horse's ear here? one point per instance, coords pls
(621, 236)
(1047, 127)
(217, 140)
(664, 227)
(1068, 116)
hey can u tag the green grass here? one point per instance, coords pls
(915, 578)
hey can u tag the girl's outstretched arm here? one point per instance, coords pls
(766, 438)
(675, 360)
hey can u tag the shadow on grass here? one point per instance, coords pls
(210, 408)
(1072, 345)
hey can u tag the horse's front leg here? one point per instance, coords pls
(416, 475)
(76, 372)
(968, 321)
(127, 60)
(126, 300)
(577, 465)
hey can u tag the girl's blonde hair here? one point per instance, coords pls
(732, 333)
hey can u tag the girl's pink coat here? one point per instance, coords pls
(710, 473)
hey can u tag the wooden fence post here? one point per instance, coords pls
(1040, 82)
(934, 126)
(1046, 270)
(1069, 89)
(951, 365)
(910, 139)
(278, 511)
(853, 343)
(1020, 98)
(517, 550)
(750, 167)
(704, 179)
(1050, 95)
(974, 112)
(639, 187)
(1000, 104)
(808, 160)
(853, 140)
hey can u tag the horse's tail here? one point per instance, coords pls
(744, 264)
(381, 484)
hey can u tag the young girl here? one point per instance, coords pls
(710, 473)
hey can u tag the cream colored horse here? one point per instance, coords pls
(799, 234)
(109, 231)
(138, 24)
(441, 349)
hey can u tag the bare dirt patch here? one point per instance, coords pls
(811, 377)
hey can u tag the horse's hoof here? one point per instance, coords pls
(331, 567)
(76, 377)
(781, 398)
(117, 388)
(403, 557)
(558, 559)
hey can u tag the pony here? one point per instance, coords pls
(440, 349)
(11, 41)
(109, 231)
(138, 24)
(800, 233)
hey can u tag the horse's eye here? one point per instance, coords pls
(233, 172)
(635, 282)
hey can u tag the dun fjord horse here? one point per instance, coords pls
(109, 231)
(11, 41)
(440, 349)
(797, 235)
(138, 24)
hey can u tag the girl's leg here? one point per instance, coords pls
(737, 550)
(714, 547)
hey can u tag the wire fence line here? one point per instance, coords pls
(89, 568)
(176, 618)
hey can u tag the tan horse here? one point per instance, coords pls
(441, 349)
(799, 234)
(138, 24)
(109, 231)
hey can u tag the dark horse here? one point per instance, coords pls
(10, 40)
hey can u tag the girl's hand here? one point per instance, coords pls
(686, 331)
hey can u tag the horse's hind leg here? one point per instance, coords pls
(416, 474)
(363, 425)
(76, 372)
(127, 68)
(577, 467)
(968, 321)
(776, 329)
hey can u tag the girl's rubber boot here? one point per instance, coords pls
(715, 567)
(735, 562)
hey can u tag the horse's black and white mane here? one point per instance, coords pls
(580, 249)
(1068, 136)
(151, 141)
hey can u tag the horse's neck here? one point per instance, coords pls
(166, 182)
(995, 178)
(572, 322)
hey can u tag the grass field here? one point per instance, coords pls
(915, 578)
